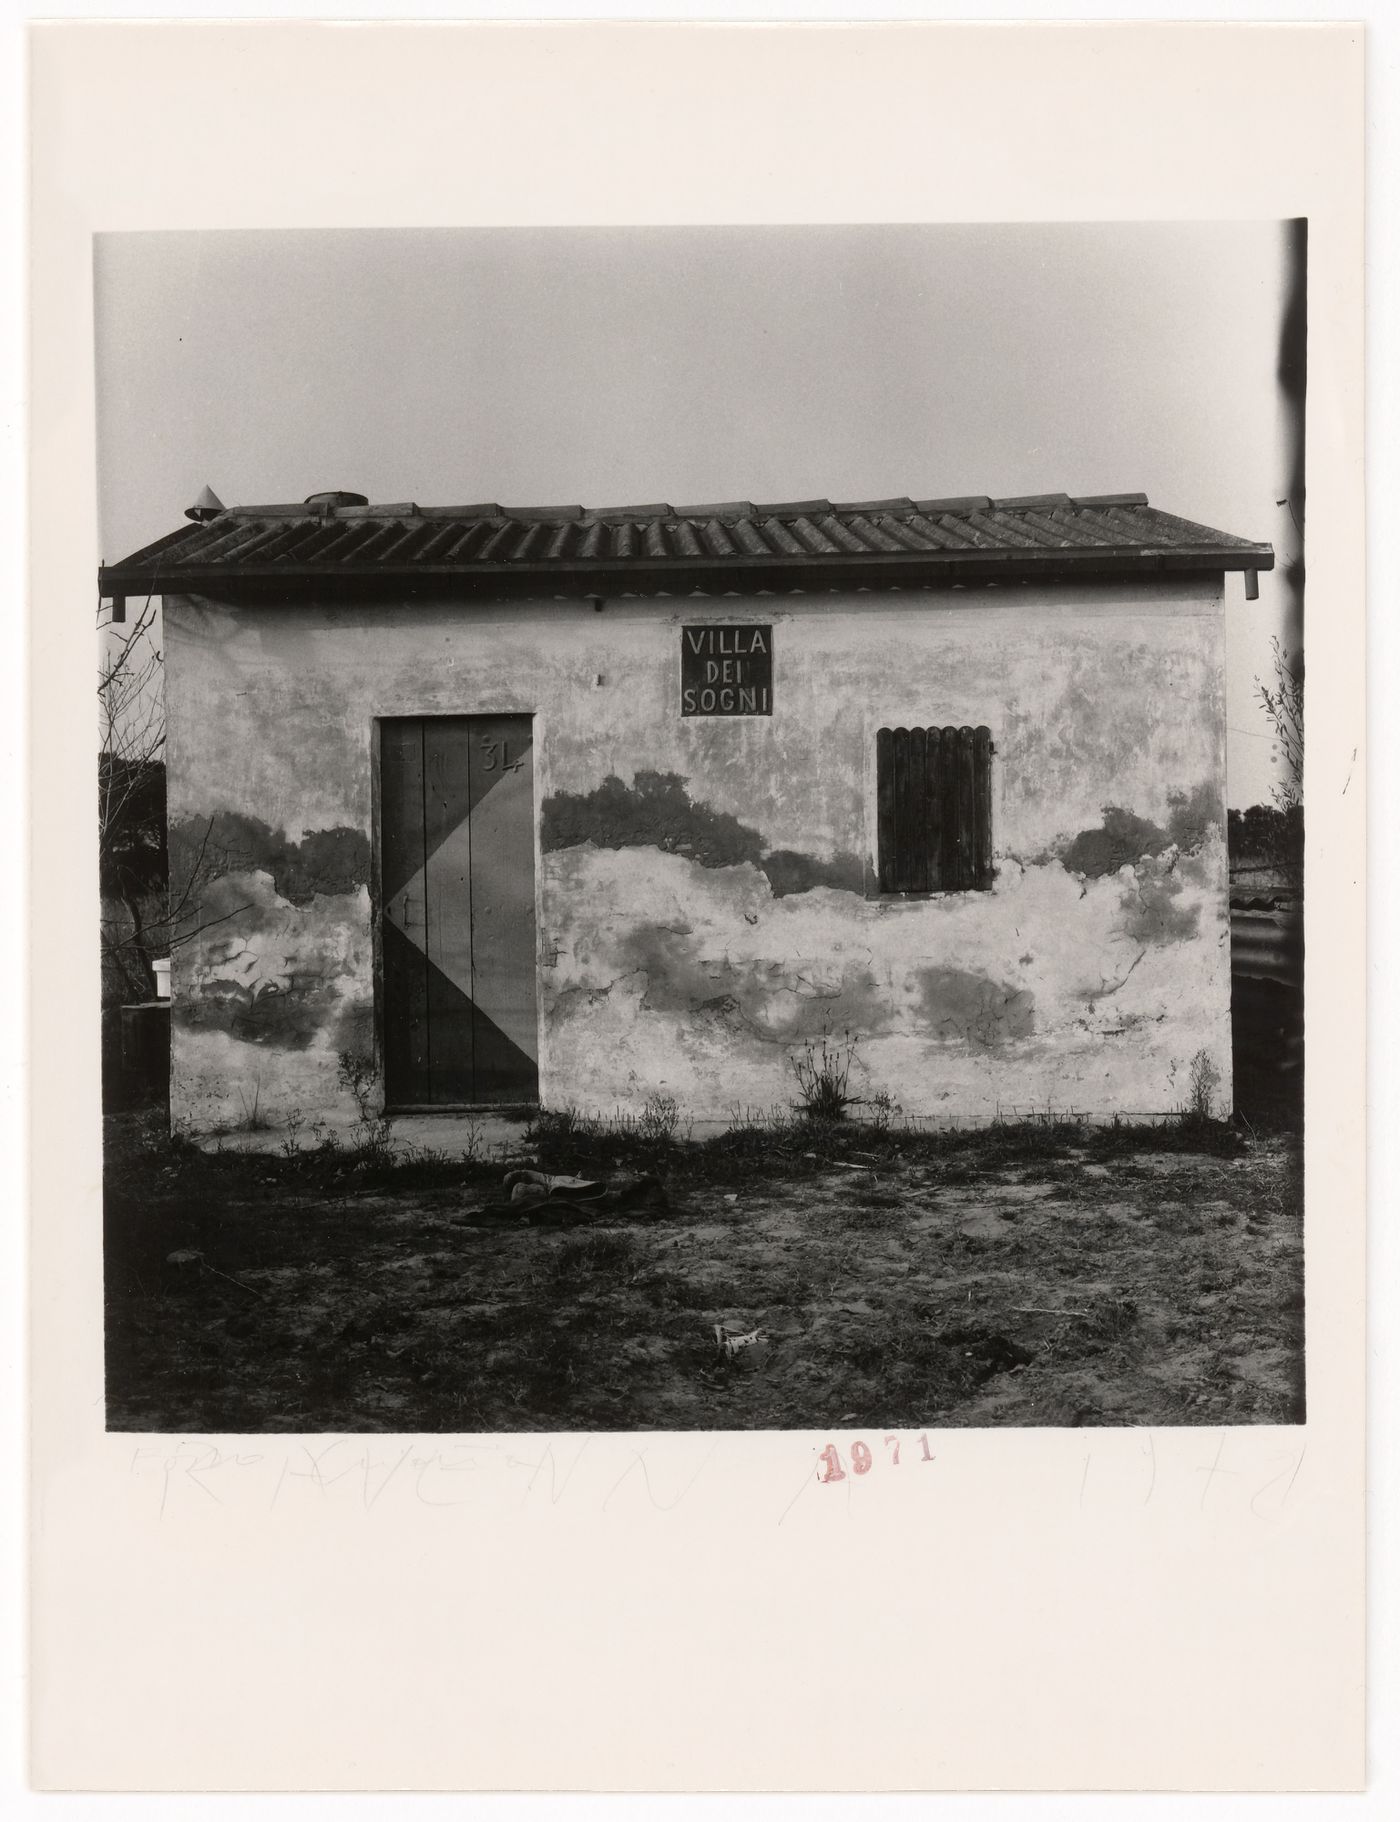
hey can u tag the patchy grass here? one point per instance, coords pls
(1025, 1273)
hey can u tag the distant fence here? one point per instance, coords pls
(1266, 1003)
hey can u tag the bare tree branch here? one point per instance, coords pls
(1282, 702)
(189, 935)
(130, 786)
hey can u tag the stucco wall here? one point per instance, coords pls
(702, 883)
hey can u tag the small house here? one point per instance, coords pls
(472, 806)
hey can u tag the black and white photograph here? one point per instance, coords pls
(701, 828)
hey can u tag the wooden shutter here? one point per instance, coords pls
(934, 809)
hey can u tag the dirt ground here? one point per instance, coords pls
(1029, 1275)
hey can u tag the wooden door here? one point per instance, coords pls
(457, 877)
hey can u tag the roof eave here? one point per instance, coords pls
(730, 575)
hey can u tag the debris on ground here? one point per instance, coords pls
(545, 1200)
(746, 1347)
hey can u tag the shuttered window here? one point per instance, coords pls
(934, 801)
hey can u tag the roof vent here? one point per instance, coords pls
(207, 506)
(327, 502)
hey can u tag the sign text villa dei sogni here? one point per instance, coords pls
(726, 670)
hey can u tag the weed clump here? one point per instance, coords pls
(255, 1117)
(372, 1141)
(1202, 1084)
(599, 1253)
(1170, 1133)
(568, 1140)
(1108, 1326)
(823, 1070)
(660, 1119)
(883, 1110)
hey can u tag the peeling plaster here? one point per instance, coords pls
(1195, 815)
(773, 1001)
(1107, 988)
(1125, 838)
(354, 1027)
(1151, 909)
(656, 811)
(328, 861)
(266, 1012)
(956, 1005)
(275, 974)
(1122, 839)
(788, 871)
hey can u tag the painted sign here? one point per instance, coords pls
(726, 670)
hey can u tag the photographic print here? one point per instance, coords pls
(701, 828)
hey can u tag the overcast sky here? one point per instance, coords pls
(611, 366)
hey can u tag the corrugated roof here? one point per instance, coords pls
(732, 546)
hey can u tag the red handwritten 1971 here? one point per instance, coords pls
(863, 1458)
